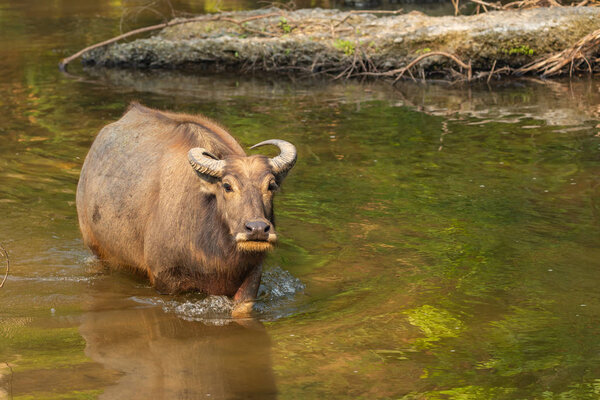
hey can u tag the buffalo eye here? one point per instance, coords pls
(272, 186)
(227, 187)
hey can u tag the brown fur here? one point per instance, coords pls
(141, 204)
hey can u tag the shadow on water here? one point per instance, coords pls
(161, 356)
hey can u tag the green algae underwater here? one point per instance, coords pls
(438, 242)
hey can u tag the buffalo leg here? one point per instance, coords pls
(246, 294)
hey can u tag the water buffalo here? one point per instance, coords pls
(176, 198)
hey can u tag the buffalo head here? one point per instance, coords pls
(243, 187)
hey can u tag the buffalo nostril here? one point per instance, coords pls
(257, 227)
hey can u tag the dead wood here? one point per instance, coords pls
(62, 65)
(519, 5)
(575, 56)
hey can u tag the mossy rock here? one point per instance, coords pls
(316, 40)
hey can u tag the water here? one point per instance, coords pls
(438, 242)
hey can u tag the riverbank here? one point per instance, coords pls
(354, 44)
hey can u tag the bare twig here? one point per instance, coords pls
(138, 10)
(521, 4)
(242, 23)
(455, 3)
(171, 8)
(3, 250)
(402, 71)
(486, 4)
(289, 6)
(491, 72)
(354, 12)
(488, 75)
(65, 61)
(399, 73)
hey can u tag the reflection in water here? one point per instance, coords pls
(554, 102)
(164, 357)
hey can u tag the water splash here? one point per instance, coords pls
(278, 288)
(277, 284)
(276, 292)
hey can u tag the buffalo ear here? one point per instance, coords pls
(206, 163)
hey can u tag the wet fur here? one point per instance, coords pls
(142, 206)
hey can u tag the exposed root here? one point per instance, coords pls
(524, 4)
(399, 73)
(519, 5)
(584, 53)
(5, 253)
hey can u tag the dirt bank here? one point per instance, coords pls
(350, 44)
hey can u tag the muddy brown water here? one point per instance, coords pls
(438, 242)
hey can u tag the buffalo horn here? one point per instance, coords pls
(286, 159)
(205, 162)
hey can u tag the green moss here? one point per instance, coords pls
(521, 50)
(284, 25)
(345, 46)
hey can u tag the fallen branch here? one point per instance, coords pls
(62, 65)
(3, 250)
(575, 55)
